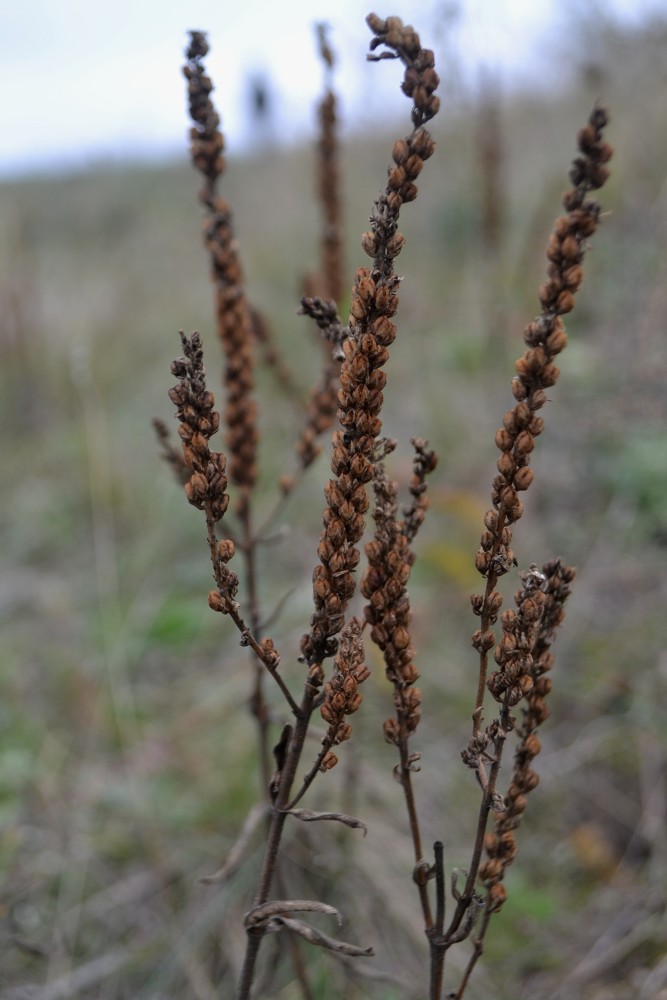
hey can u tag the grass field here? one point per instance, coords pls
(127, 758)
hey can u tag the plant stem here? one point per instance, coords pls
(278, 817)
(482, 820)
(479, 948)
(420, 865)
(258, 703)
(491, 582)
(437, 947)
(249, 639)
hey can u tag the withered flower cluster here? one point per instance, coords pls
(374, 302)
(546, 335)
(420, 80)
(558, 578)
(536, 372)
(568, 241)
(198, 421)
(206, 140)
(423, 463)
(341, 694)
(352, 389)
(234, 317)
(500, 846)
(523, 656)
(205, 489)
(514, 654)
(384, 585)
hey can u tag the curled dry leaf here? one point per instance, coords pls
(317, 937)
(260, 914)
(311, 817)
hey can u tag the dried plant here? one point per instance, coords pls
(357, 353)
(325, 291)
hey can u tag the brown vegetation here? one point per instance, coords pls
(133, 807)
(359, 456)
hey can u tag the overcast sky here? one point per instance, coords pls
(83, 81)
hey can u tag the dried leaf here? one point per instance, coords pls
(318, 938)
(311, 817)
(275, 907)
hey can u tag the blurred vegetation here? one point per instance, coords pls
(127, 757)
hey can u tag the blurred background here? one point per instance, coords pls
(128, 754)
(86, 85)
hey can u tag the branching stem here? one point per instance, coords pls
(248, 638)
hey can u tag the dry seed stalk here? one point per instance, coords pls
(528, 632)
(536, 372)
(341, 694)
(522, 655)
(237, 327)
(374, 302)
(322, 403)
(555, 579)
(206, 486)
(234, 317)
(329, 176)
(384, 585)
(206, 490)
(500, 845)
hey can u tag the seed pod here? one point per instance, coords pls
(354, 703)
(413, 166)
(556, 342)
(216, 602)
(330, 760)
(385, 334)
(565, 302)
(391, 730)
(491, 843)
(409, 191)
(385, 300)
(482, 561)
(369, 244)
(357, 309)
(397, 178)
(490, 869)
(505, 465)
(504, 440)
(422, 144)
(519, 388)
(226, 549)
(401, 151)
(395, 244)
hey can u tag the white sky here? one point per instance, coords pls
(83, 80)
